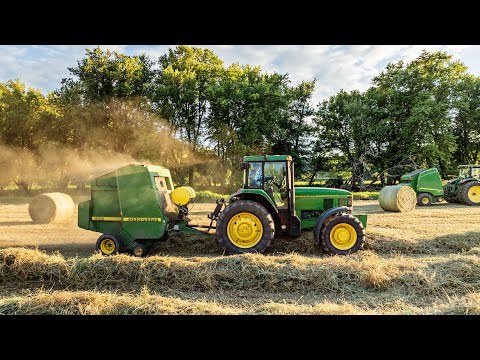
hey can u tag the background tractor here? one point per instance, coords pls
(466, 187)
(137, 205)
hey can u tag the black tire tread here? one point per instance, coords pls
(421, 196)
(463, 193)
(324, 235)
(144, 252)
(238, 207)
(118, 246)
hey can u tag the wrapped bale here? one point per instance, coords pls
(398, 198)
(51, 207)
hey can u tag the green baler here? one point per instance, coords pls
(426, 183)
(130, 206)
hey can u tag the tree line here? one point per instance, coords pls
(189, 112)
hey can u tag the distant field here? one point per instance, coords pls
(423, 262)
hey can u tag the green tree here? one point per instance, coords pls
(109, 98)
(467, 121)
(21, 113)
(418, 98)
(343, 128)
(26, 117)
(248, 114)
(292, 132)
(403, 121)
(179, 92)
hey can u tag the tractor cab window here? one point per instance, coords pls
(464, 173)
(255, 175)
(275, 182)
(475, 172)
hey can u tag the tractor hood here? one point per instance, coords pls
(320, 191)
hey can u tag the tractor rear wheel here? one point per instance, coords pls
(245, 226)
(424, 199)
(469, 193)
(108, 245)
(341, 234)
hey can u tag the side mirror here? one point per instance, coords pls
(244, 165)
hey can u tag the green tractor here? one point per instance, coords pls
(466, 187)
(268, 204)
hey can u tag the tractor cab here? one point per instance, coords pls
(469, 171)
(273, 174)
(269, 180)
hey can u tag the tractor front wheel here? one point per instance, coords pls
(469, 193)
(424, 199)
(108, 245)
(341, 234)
(245, 226)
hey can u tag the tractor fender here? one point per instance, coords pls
(463, 181)
(325, 215)
(261, 199)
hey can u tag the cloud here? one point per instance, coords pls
(334, 66)
(43, 66)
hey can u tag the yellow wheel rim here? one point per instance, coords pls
(107, 246)
(425, 200)
(244, 230)
(343, 236)
(474, 194)
(138, 251)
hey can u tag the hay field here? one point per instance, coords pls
(422, 262)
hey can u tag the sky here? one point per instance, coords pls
(335, 67)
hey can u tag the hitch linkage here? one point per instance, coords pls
(213, 216)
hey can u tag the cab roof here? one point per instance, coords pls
(249, 158)
(466, 166)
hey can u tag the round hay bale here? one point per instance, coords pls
(51, 207)
(397, 198)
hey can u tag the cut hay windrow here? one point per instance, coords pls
(449, 244)
(397, 198)
(51, 208)
(365, 271)
(94, 303)
(99, 303)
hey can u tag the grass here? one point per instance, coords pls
(206, 196)
(366, 195)
(364, 271)
(146, 303)
(361, 283)
(422, 262)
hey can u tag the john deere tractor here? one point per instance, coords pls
(466, 187)
(268, 204)
(137, 205)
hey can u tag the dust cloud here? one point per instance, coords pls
(104, 141)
